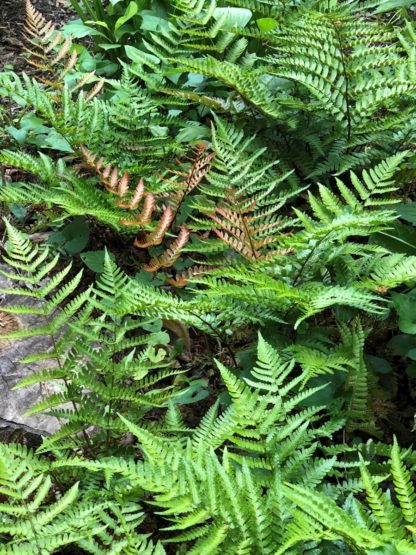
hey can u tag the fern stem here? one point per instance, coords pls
(344, 71)
(309, 256)
(58, 360)
(110, 404)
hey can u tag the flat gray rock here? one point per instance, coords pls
(13, 404)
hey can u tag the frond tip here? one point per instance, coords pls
(43, 39)
(171, 254)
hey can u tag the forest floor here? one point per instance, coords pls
(12, 20)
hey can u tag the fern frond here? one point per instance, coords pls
(172, 253)
(403, 484)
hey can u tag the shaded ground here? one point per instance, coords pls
(12, 18)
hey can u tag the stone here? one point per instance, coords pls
(13, 404)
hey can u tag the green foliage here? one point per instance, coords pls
(379, 523)
(330, 88)
(290, 284)
(32, 521)
(103, 361)
(219, 487)
(38, 518)
(248, 163)
(110, 25)
(34, 266)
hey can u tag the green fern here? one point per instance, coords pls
(38, 518)
(34, 266)
(380, 524)
(291, 284)
(221, 490)
(101, 365)
(33, 519)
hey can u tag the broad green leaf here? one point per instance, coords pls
(151, 22)
(232, 17)
(400, 238)
(407, 212)
(402, 344)
(79, 30)
(130, 12)
(73, 238)
(192, 133)
(108, 46)
(405, 306)
(56, 141)
(378, 365)
(99, 23)
(393, 5)
(196, 391)
(95, 260)
(19, 135)
(266, 24)
(19, 211)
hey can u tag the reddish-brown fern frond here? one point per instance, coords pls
(47, 50)
(171, 254)
(42, 39)
(145, 216)
(109, 176)
(156, 236)
(120, 187)
(191, 172)
(36, 25)
(84, 81)
(95, 90)
(182, 278)
(247, 230)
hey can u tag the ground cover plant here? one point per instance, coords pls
(209, 207)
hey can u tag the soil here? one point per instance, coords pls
(12, 19)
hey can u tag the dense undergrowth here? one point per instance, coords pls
(227, 277)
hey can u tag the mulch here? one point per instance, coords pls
(12, 19)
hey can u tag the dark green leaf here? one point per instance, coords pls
(73, 238)
(95, 260)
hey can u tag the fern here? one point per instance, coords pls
(253, 290)
(33, 266)
(255, 149)
(31, 521)
(381, 523)
(109, 355)
(43, 39)
(291, 283)
(359, 380)
(213, 498)
(38, 518)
